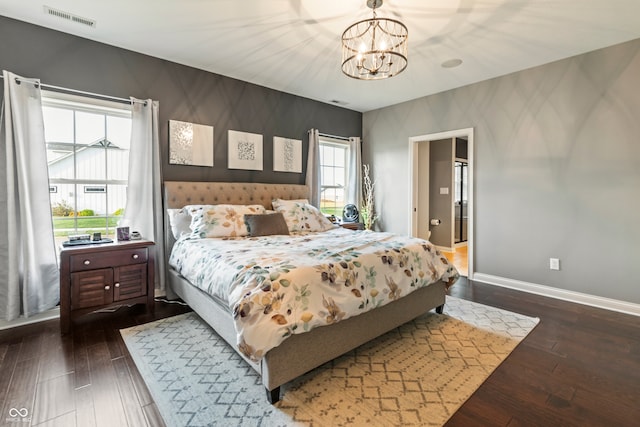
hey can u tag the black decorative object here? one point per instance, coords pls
(350, 213)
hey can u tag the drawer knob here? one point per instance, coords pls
(117, 285)
(135, 256)
(106, 288)
(87, 262)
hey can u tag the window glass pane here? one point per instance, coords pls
(119, 131)
(327, 176)
(58, 124)
(326, 155)
(90, 201)
(60, 159)
(340, 157)
(340, 177)
(116, 200)
(91, 162)
(117, 163)
(90, 128)
(63, 209)
(339, 198)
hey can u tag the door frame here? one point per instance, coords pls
(413, 184)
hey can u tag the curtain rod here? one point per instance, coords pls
(326, 135)
(79, 92)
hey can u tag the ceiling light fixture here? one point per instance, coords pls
(375, 48)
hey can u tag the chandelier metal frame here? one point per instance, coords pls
(376, 48)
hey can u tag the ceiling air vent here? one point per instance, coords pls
(69, 17)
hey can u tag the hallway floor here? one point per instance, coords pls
(459, 260)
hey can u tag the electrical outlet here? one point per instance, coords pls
(554, 264)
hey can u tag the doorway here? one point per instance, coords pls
(460, 247)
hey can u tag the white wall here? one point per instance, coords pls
(557, 170)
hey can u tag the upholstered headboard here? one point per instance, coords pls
(180, 193)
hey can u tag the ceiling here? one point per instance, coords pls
(294, 45)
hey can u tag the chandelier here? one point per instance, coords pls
(375, 48)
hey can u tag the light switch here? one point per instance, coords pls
(444, 190)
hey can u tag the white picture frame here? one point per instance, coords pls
(287, 155)
(190, 144)
(245, 150)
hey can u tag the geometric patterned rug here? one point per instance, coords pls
(416, 375)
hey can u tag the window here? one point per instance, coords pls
(334, 162)
(88, 157)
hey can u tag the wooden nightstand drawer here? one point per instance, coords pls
(91, 261)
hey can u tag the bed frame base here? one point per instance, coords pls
(317, 346)
(440, 309)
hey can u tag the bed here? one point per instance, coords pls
(316, 346)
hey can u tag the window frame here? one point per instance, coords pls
(85, 104)
(336, 143)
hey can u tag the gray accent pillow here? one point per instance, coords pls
(266, 224)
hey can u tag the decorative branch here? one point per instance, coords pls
(367, 210)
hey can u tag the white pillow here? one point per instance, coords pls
(222, 220)
(301, 216)
(180, 221)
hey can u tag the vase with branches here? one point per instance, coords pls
(367, 210)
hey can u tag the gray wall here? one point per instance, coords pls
(557, 169)
(184, 93)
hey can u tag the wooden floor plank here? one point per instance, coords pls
(21, 390)
(56, 356)
(66, 420)
(82, 376)
(132, 406)
(85, 411)
(108, 403)
(52, 398)
(7, 368)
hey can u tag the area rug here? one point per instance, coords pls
(418, 374)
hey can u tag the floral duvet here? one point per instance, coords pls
(277, 286)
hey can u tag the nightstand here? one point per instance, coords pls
(95, 277)
(352, 225)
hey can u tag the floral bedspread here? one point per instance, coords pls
(277, 286)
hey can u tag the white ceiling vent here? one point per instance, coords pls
(69, 17)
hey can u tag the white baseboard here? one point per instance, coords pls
(54, 313)
(548, 291)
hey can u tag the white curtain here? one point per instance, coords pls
(29, 276)
(354, 185)
(313, 168)
(143, 212)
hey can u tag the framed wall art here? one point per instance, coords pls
(287, 155)
(190, 144)
(245, 150)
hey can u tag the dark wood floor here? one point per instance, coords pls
(579, 367)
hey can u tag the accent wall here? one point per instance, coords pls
(185, 94)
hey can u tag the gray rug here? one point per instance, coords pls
(418, 374)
